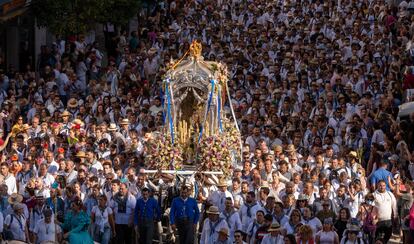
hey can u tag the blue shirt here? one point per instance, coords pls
(90, 202)
(60, 208)
(184, 209)
(381, 174)
(146, 210)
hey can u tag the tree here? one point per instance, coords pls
(68, 17)
(119, 12)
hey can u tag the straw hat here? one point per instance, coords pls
(290, 148)
(291, 127)
(72, 103)
(213, 210)
(341, 96)
(265, 184)
(208, 181)
(124, 122)
(15, 198)
(152, 51)
(275, 226)
(278, 149)
(114, 100)
(112, 127)
(222, 182)
(78, 122)
(353, 154)
(65, 114)
(80, 154)
(224, 231)
(25, 127)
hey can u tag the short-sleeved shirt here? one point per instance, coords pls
(46, 231)
(101, 216)
(381, 174)
(123, 211)
(17, 226)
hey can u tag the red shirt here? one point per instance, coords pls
(408, 81)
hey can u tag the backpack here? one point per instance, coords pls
(7, 233)
(368, 224)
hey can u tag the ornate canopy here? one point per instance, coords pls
(190, 81)
(195, 91)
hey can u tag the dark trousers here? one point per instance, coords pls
(412, 234)
(146, 231)
(123, 234)
(185, 228)
(384, 230)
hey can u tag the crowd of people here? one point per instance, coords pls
(315, 87)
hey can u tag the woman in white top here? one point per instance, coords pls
(378, 135)
(327, 235)
(311, 220)
(102, 219)
(294, 220)
(78, 190)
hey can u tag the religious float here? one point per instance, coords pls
(198, 136)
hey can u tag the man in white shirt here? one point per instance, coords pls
(36, 213)
(232, 218)
(248, 210)
(53, 166)
(9, 179)
(95, 165)
(151, 64)
(16, 222)
(254, 226)
(218, 198)
(253, 140)
(212, 225)
(274, 236)
(156, 107)
(71, 173)
(46, 230)
(386, 204)
(123, 206)
(46, 178)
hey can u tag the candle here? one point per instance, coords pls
(181, 132)
(185, 131)
(207, 129)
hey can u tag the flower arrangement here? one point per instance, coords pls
(214, 154)
(218, 152)
(233, 137)
(161, 153)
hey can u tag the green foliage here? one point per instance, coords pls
(68, 17)
(119, 12)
